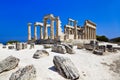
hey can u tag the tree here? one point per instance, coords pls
(12, 41)
(102, 38)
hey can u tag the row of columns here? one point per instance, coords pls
(44, 35)
(35, 32)
(90, 33)
(74, 22)
(51, 29)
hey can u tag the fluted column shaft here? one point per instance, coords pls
(75, 29)
(45, 30)
(29, 31)
(57, 25)
(52, 29)
(41, 32)
(35, 32)
(88, 33)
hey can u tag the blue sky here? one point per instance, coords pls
(15, 14)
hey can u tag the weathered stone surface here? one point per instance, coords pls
(69, 49)
(24, 45)
(26, 73)
(102, 48)
(98, 52)
(8, 63)
(4, 46)
(47, 46)
(40, 53)
(109, 46)
(117, 48)
(18, 46)
(65, 67)
(32, 45)
(59, 49)
(10, 47)
(89, 47)
(80, 46)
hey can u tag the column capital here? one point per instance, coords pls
(29, 24)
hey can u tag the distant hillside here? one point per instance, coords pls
(117, 39)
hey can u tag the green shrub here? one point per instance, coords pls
(102, 38)
(12, 41)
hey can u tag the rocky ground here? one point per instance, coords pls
(90, 66)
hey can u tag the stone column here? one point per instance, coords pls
(45, 30)
(75, 30)
(35, 32)
(52, 29)
(65, 36)
(92, 34)
(88, 33)
(68, 32)
(85, 37)
(29, 31)
(57, 29)
(41, 32)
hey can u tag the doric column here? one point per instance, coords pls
(91, 33)
(52, 29)
(88, 33)
(75, 30)
(41, 32)
(45, 30)
(94, 33)
(29, 31)
(57, 25)
(85, 37)
(68, 32)
(35, 32)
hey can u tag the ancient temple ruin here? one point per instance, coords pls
(86, 32)
(72, 31)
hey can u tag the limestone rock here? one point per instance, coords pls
(65, 67)
(10, 47)
(89, 47)
(24, 45)
(40, 53)
(69, 49)
(8, 63)
(4, 46)
(47, 46)
(26, 73)
(32, 45)
(98, 52)
(18, 46)
(102, 48)
(59, 49)
(80, 47)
